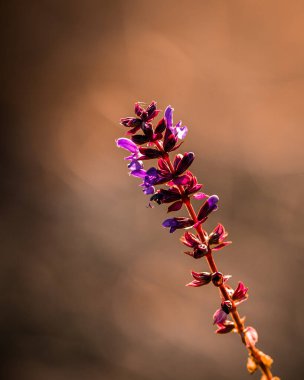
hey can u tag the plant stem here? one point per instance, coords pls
(253, 351)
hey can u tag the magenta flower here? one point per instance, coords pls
(200, 196)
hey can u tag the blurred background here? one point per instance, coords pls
(92, 287)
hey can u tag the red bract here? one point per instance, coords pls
(240, 293)
(217, 237)
(225, 328)
(199, 249)
(200, 279)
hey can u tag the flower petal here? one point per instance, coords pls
(169, 116)
(127, 144)
(181, 132)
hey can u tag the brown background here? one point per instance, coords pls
(92, 287)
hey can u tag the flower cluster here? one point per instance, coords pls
(155, 141)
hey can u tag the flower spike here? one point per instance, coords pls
(169, 181)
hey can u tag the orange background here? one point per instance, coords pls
(92, 287)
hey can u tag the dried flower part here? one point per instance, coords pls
(251, 365)
(266, 359)
(251, 336)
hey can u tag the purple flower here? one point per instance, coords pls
(150, 178)
(169, 116)
(127, 144)
(136, 169)
(177, 223)
(135, 165)
(178, 130)
(209, 206)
